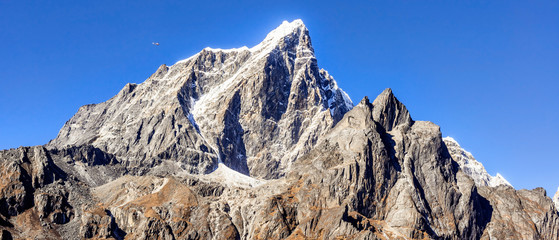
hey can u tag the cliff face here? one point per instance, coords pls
(255, 143)
(253, 109)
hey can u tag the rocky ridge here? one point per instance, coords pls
(253, 109)
(472, 167)
(256, 143)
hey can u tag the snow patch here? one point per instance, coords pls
(498, 180)
(243, 48)
(271, 40)
(337, 92)
(186, 60)
(193, 122)
(284, 30)
(156, 190)
(347, 100)
(472, 167)
(232, 178)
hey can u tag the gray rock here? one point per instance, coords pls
(5, 235)
(523, 214)
(24, 170)
(469, 165)
(256, 110)
(52, 205)
(389, 112)
(254, 143)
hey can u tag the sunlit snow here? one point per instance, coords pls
(472, 167)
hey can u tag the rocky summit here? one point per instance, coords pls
(257, 143)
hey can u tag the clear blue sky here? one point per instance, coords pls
(486, 71)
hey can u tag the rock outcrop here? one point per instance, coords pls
(256, 110)
(521, 214)
(23, 171)
(257, 143)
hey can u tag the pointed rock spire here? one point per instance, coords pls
(161, 71)
(365, 101)
(390, 112)
(359, 117)
(287, 28)
(287, 36)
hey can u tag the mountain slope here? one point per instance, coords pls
(253, 109)
(257, 143)
(359, 168)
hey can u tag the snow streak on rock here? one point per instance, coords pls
(258, 143)
(472, 167)
(256, 110)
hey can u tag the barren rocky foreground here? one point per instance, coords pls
(257, 143)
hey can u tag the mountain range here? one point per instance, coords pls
(258, 143)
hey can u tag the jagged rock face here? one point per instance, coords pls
(169, 158)
(520, 214)
(257, 109)
(143, 125)
(274, 104)
(472, 167)
(358, 182)
(34, 198)
(395, 189)
(390, 112)
(24, 170)
(165, 208)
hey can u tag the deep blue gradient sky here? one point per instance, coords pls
(486, 71)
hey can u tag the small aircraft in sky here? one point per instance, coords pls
(155, 43)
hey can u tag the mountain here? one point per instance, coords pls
(472, 167)
(256, 110)
(257, 143)
(556, 199)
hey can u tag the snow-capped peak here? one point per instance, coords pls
(224, 102)
(243, 48)
(288, 57)
(285, 29)
(498, 180)
(450, 140)
(295, 27)
(472, 167)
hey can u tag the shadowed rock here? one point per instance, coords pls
(176, 157)
(390, 112)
